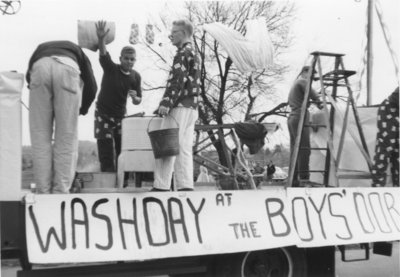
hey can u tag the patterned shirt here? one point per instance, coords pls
(183, 80)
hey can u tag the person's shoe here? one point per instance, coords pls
(186, 189)
(159, 190)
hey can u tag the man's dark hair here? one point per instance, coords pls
(128, 50)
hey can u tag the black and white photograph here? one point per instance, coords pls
(199, 138)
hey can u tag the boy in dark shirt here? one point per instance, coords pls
(119, 81)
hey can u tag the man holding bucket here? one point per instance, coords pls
(179, 103)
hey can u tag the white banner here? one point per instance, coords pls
(115, 227)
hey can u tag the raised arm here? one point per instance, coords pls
(101, 35)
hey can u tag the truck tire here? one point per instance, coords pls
(279, 262)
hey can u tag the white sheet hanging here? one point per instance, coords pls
(11, 84)
(250, 52)
(87, 34)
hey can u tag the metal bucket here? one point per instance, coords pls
(165, 142)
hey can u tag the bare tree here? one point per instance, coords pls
(225, 92)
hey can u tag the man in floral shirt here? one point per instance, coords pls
(179, 102)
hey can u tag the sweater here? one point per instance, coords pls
(114, 88)
(73, 51)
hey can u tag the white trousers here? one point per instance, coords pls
(54, 101)
(182, 164)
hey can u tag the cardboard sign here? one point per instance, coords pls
(115, 227)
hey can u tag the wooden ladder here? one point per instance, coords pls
(334, 79)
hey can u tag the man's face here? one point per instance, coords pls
(177, 35)
(127, 61)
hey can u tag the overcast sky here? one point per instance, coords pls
(328, 25)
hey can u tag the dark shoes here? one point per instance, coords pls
(186, 189)
(159, 190)
(164, 190)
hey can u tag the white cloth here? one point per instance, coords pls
(54, 98)
(11, 84)
(251, 52)
(351, 161)
(203, 176)
(182, 164)
(87, 34)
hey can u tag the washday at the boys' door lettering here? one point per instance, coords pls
(146, 226)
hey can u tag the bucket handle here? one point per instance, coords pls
(148, 125)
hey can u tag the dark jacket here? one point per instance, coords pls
(73, 51)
